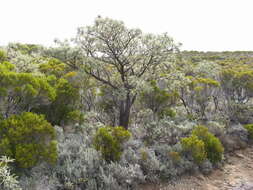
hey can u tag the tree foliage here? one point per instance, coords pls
(22, 91)
(120, 57)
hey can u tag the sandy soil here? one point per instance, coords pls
(236, 174)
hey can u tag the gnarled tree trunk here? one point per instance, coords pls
(125, 110)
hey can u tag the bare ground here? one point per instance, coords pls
(236, 174)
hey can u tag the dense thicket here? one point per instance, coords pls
(182, 109)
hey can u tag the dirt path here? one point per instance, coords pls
(237, 174)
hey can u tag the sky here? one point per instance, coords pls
(204, 25)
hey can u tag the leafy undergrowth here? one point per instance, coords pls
(236, 174)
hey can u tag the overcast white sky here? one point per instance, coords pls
(208, 25)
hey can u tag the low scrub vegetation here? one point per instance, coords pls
(195, 147)
(249, 128)
(109, 141)
(213, 146)
(29, 139)
(116, 108)
(202, 144)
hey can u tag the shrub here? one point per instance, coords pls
(8, 181)
(249, 128)
(144, 155)
(58, 113)
(75, 116)
(150, 164)
(28, 138)
(3, 56)
(195, 147)
(78, 164)
(117, 176)
(206, 167)
(109, 141)
(167, 112)
(26, 91)
(165, 131)
(213, 146)
(175, 156)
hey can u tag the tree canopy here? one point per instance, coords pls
(120, 57)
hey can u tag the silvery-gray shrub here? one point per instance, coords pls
(8, 181)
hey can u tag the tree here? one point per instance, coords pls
(237, 87)
(56, 112)
(197, 95)
(66, 53)
(26, 48)
(158, 99)
(120, 58)
(53, 67)
(67, 88)
(25, 57)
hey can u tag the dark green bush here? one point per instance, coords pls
(109, 141)
(29, 139)
(213, 146)
(64, 108)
